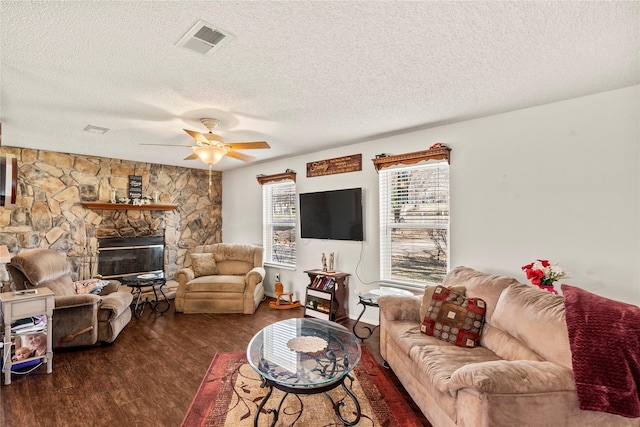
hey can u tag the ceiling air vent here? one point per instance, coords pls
(96, 129)
(204, 38)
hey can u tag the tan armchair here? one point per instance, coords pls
(221, 278)
(78, 319)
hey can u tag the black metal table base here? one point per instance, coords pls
(337, 406)
(138, 309)
(370, 330)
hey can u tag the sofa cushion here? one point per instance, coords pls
(506, 346)
(241, 252)
(113, 305)
(203, 264)
(518, 376)
(452, 317)
(217, 284)
(42, 268)
(234, 267)
(537, 319)
(428, 294)
(400, 307)
(407, 335)
(488, 287)
(41, 265)
(439, 362)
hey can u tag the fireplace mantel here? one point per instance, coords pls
(125, 206)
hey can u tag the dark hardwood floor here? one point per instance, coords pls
(147, 377)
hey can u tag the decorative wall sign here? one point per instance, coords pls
(135, 187)
(337, 165)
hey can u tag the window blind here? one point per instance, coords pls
(414, 223)
(279, 222)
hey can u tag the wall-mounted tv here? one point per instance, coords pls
(333, 215)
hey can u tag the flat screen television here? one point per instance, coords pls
(333, 215)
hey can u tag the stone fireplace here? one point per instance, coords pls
(51, 208)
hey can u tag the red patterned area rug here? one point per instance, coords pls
(230, 393)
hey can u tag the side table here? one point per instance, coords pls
(371, 300)
(367, 300)
(153, 281)
(20, 305)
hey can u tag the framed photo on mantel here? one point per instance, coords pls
(135, 187)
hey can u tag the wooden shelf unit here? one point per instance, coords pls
(125, 206)
(327, 304)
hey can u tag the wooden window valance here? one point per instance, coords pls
(287, 175)
(437, 152)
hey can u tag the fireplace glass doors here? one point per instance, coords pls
(120, 257)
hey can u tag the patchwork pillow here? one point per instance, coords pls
(90, 286)
(453, 318)
(428, 294)
(203, 264)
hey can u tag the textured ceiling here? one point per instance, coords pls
(302, 75)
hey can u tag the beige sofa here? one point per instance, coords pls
(519, 375)
(221, 278)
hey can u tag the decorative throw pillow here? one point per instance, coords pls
(203, 264)
(428, 294)
(453, 318)
(90, 286)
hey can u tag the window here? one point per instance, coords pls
(279, 222)
(414, 223)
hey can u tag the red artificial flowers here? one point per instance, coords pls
(542, 274)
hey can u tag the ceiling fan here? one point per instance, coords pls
(211, 148)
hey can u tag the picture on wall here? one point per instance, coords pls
(135, 187)
(8, 180)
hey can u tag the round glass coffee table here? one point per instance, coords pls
(305, 356)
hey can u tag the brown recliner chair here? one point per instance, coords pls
(78, 319)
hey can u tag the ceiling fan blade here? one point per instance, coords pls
(240, 156)
(200, 139)
(167, 145)
(193, 156)
(247, 145)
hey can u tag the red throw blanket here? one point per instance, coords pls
(604, 336)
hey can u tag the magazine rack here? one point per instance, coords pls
(21, 305)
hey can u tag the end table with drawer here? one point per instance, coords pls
(21, 305)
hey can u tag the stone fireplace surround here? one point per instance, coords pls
(52, 187)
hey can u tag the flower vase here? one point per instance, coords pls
(548, 288)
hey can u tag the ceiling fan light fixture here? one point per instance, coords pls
(210, 155)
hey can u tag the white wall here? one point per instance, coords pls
(560, 181)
